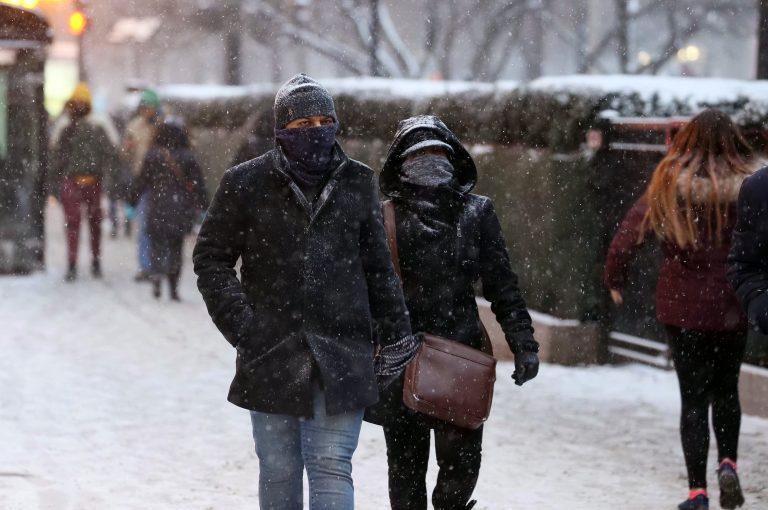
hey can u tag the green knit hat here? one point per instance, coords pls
(150, 98)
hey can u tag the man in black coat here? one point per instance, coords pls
(316, 280)
(748, 259)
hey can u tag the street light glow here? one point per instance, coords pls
(27, 4)
(644, 58)
(77, 23)
(690, 53)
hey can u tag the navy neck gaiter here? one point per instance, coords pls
(309, 152)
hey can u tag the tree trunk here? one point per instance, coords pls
(233, 46)
(622, 35)
(534, 52)
(374, 45)
(762, 40)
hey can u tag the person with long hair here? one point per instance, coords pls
(690, 206)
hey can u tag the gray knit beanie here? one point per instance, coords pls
(299, 97)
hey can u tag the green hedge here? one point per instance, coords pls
(558, 209)
(557, 120)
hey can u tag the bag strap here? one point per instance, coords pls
(388, 210)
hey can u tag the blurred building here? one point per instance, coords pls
(157, 42)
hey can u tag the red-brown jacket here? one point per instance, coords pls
(692, 290)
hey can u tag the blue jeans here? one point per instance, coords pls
(323, 445)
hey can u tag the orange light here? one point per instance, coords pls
(78, 22)
(27, 4)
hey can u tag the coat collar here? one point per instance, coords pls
(312, 209)
(702, 187)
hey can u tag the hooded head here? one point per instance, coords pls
(79, 103)
(171, 134)
(426, 134)
(302, 97)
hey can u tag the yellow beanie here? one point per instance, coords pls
(82, 94)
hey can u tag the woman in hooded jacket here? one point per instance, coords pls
(173, 182)
(690, 206)
(447, 240)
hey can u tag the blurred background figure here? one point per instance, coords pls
(82, 156)
(171, 184)
(690, 205)
(258, 140)
(137, 138)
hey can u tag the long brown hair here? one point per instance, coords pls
(710, 146)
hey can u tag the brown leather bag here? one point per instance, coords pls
(447, 380)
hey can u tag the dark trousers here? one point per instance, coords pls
(707, 365)
(75, 195)
(458, 453)
(166, 253)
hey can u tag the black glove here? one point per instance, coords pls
(526, 367)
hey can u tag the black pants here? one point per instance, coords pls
(458, 454)
(707, 365)
(166, 254)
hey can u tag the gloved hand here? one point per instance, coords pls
(391, 360)
(130, 213)
(526, 367)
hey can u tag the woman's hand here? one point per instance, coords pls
(616, 296)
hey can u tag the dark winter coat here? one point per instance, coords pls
(748, 258)
(692, 291)
(315, 277)
(175, 188)
(82, 149)
(442, 260)
(439, 268)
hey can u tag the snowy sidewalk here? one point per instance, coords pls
(111, 400)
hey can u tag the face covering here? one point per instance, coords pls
(427, 171)
(309, 152)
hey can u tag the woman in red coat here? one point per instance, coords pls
(690, 206)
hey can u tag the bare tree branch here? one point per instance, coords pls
(348, 57)
(403, 55)
(500, 19)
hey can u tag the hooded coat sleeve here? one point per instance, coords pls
(385, 293)
(500, 285)
(748, 258)
(220, 243)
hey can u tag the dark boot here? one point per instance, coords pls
(96, 269)
(700, 502)
(730, 488)
(71, 274)
(156, 282)
(173, 280)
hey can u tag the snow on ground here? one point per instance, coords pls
(112, 400)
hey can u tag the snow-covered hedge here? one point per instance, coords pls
(557, 210)
(549, 112)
